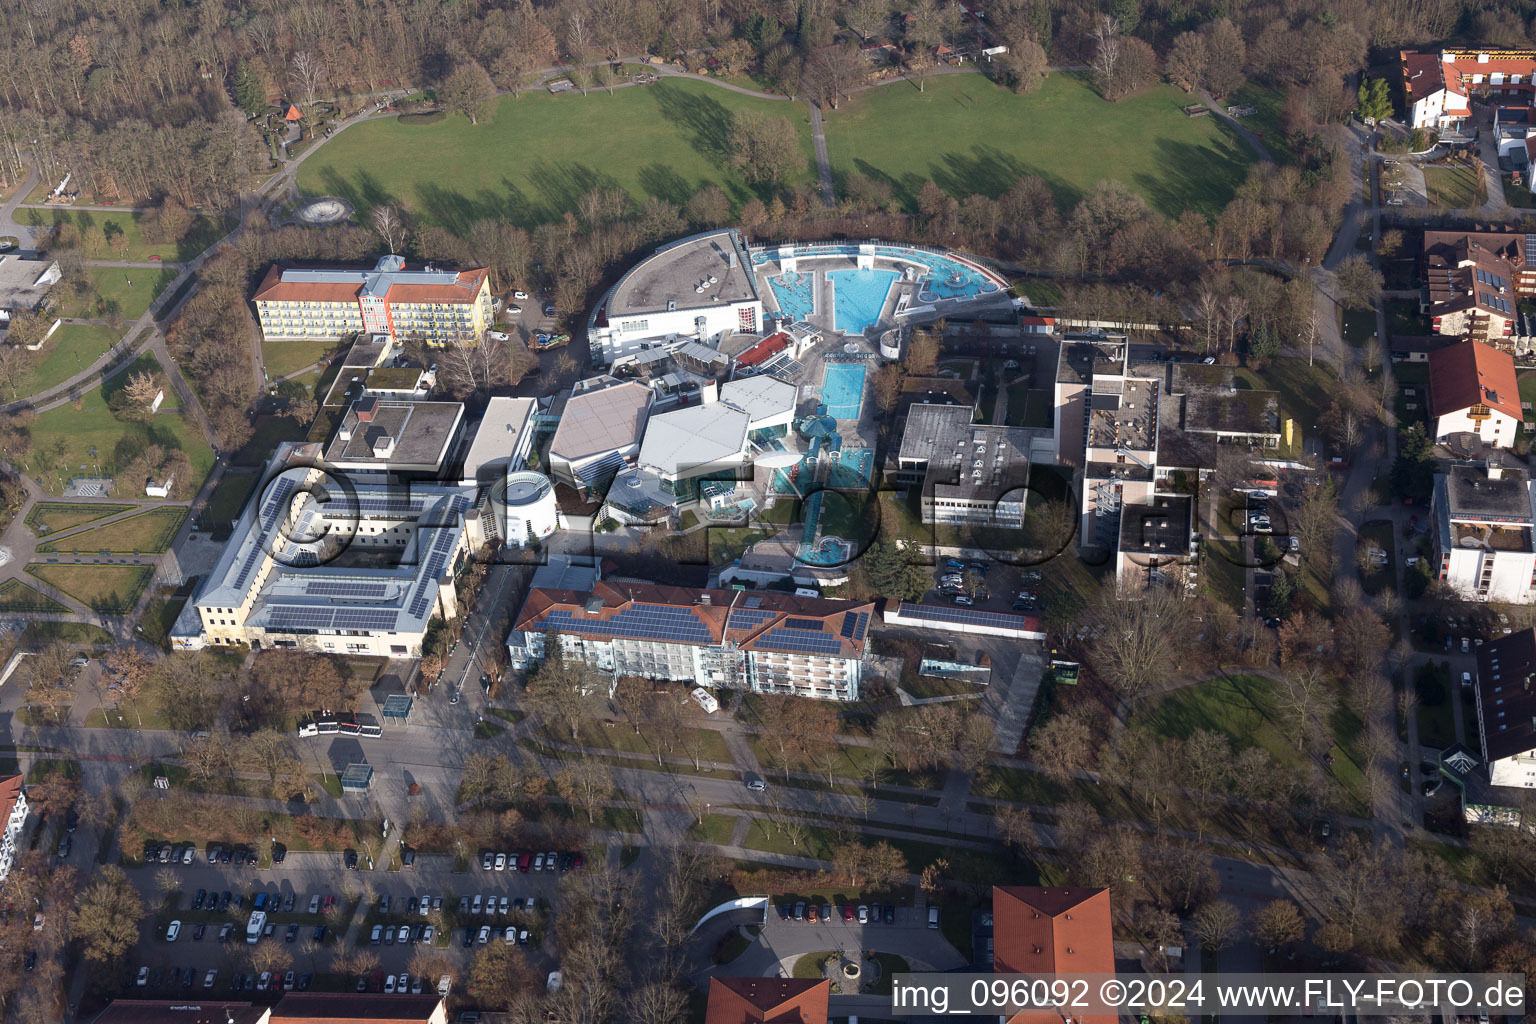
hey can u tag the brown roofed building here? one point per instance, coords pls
(1506, 708)
(1472, 389)
(767, 1001)
(346, 1008)
(772, 642)
(438, 306)
(1045, 931)
(181, 1011)
(1475, 279)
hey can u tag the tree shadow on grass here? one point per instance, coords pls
(1194, 177)
(562, 183)
(665, 183)
(362, 190)
(705, 120)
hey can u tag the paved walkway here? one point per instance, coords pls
(823, 163)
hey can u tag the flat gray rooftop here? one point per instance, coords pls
(1210, 410)
(1082, 357)
(1471, 494)
(964, 458)
(1159, 527)
(19, 287)
(422, 432)
(672, 275)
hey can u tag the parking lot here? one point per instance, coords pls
(318, 909)
(988, 586)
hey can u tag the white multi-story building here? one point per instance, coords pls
(356, 568)
(700, 287)
(1506, 709)
(969, 472)
(13, 808)
(1472, 390)
(1483, 521)
(765, 642)
(437, 306)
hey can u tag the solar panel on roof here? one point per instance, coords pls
(345, 588)
(799, 641)
(753, 602)
(750, 618)
(811, 624)
(853, 625)
(944, 613)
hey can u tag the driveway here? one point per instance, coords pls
(910, 938)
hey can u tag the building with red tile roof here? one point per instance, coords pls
(436, 305)
(1475, 280)
(13, 812)
(1472, 389)
(1045, 931)
(767, 1001)
(770, 642)
(1438, 85)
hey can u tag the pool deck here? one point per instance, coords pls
(903, 295)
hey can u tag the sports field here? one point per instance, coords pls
(968, 136)
(541, 152)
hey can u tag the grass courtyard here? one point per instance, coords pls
(540, 153)
(283, 358)
(1456, 186)
(148, 533)
(108, 589)
(72, 348)
(125, 233)
(968, 136)
(51, 517)
(69, 442)
(17, 597)
(128, 289)
(1244, 709)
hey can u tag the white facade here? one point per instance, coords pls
(1492, 426)
(531, 513)
(13, 826)
(1483, 534)
(708, 323)
(1517, 771)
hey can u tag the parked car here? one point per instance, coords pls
(404, 935)
(487, 861)
(485, 934)
(314, 904)
(501, 862)
(199, 932)
(863, 914)
(800, 911)
(519, 295)
(210, 977)
(172, 931)
(197, 899)
(377, 935)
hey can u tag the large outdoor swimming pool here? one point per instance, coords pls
(842, 390)
(858, 296)
(795, 292)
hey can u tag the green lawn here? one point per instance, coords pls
(228, 498)
(540, 153)
(109, 589)
(282, 358)
(63, 439)
(125, 232)
(1242, 707)
(72, 348)
(1528, 394)
(1403, 318)
(148, 533)
(1377, 534)
(158, 618)
(16, 596)
(717, 829)
(132, 289)
(1456, 186)
(1358, 325)
(1304, 392)
(57, 516)
(969, 136)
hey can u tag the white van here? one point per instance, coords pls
(933, 917)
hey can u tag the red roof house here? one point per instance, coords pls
(292, 114)
(1472, 389)
(767, 1001)
(1046, 931)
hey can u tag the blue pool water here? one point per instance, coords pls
(795, 293)
(842, 389)
(851, 469)
(857, 296)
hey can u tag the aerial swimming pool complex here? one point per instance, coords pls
(842, 390)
